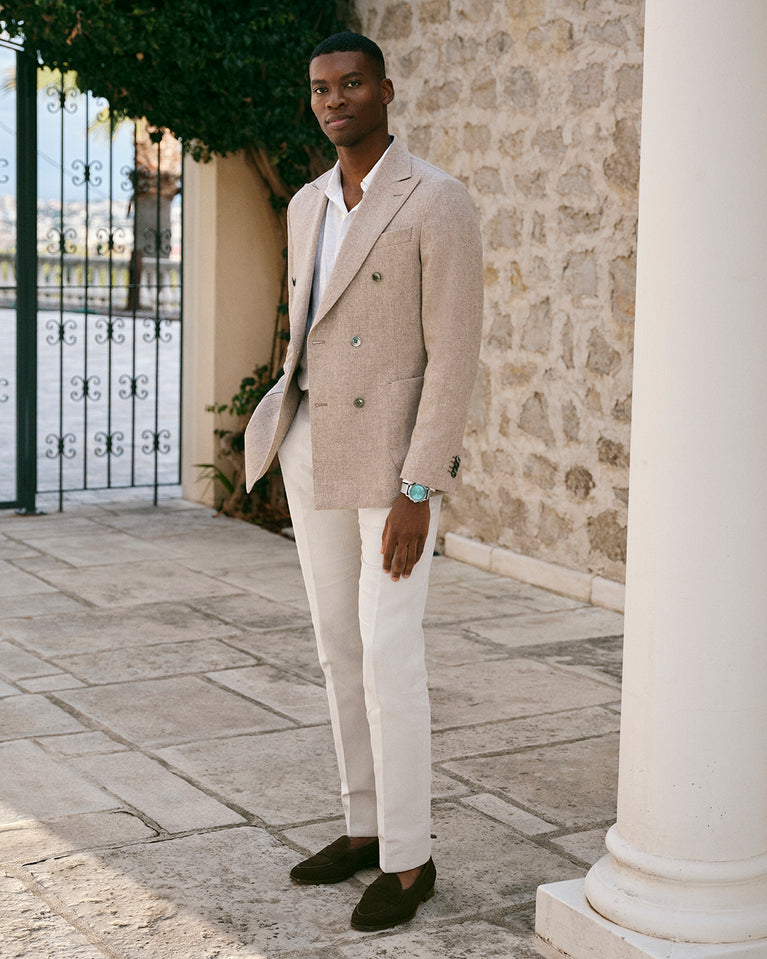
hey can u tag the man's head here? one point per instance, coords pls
(350, 92)
(348, 42)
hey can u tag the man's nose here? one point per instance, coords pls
(336, 97)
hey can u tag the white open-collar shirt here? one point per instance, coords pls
(335, 226)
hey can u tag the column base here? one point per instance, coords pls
(565, 920)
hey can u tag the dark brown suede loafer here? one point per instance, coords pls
(335, 862)
(385, 903)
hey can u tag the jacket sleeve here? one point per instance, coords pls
(451, 316)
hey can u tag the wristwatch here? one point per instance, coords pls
(416, 492)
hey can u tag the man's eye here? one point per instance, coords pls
(353, 83)
(319, 90)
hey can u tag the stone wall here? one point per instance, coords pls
(535, 106)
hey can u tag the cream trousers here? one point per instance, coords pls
(371, 649)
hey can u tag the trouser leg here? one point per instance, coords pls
(328, 544)
(371, 647)
(397, 696)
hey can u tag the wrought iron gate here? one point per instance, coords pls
(90, 293)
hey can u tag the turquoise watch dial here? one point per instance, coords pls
(418, 493)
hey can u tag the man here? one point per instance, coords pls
(385, 268)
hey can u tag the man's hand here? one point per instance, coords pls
(404, 535)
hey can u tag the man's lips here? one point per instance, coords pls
(337, 121)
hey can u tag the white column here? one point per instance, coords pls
(687, 858)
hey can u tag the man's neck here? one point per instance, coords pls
(356, 162)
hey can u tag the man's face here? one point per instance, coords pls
(348, 97)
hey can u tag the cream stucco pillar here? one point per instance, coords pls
(232, 274)
(686, 869)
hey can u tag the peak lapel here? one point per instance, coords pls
(306, 226)
(391, 186)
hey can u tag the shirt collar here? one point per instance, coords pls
(334, 191)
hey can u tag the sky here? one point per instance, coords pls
(49, 153)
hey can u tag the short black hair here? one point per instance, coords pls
(348, 42)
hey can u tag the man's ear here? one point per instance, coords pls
(387, 88)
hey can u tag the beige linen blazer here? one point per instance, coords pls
(392, 354)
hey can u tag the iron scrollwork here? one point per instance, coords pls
(155, 331)
(85, 388)
(60, 332)
(159, 441)
(61, 240)
(109, 330)
(110, 442)
(108, 241)
(3, 383)
(86, 174)
(61, 98)
(58, 446)
(134, 386)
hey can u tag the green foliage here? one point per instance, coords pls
(219, 75)
(246, 399)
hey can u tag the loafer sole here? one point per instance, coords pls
(378, 926)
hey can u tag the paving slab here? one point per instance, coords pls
(483, 865)
(454, 645)
(28, 842)
(600, 658)
(93, 629)
(228, 892)
(32, 930)
(47, 684)
(83, 744)
(131, 584)
(505, 689)
(294, 648)
(7, 690)
(171, 802)
(283, 777)
(534, 779)
(465, 940)
(278, 581)
(182, 709)
(456, 602)
(516, 734)
(17, 663)
(253, 611)
(104, 547)
(37, 786)
(588, 846)
(148, 662)
(12, 549)
(519, 819)
(305, 702)
(34, 715)
(38, 604)
(534, 629)
(15, 582)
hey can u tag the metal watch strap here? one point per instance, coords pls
(409, 489)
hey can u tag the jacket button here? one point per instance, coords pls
(359, 402)
(377, 277)
(356, 341)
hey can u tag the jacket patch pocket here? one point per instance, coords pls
(404, 398)
(393, 237)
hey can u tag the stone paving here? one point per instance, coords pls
(166, 756)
